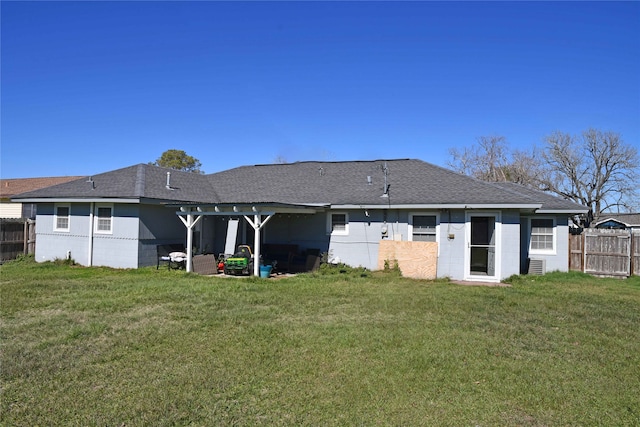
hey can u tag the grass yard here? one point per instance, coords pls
(84, 347)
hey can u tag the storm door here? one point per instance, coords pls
(482, 245)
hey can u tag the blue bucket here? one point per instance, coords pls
(265, 271)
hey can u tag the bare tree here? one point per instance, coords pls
(280, 160)
(596, 169)
(486, 160)
(491, 160)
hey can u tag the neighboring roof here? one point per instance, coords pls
(627, 219)
(409, 182)
(11, 187)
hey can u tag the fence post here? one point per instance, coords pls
(31, 242)
(583, 263)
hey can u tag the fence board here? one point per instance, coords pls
(576, 252)
(607, 252)
(17, 236)
(635, 253)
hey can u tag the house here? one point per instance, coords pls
(621, 221)
(350, 210)
(11, 187)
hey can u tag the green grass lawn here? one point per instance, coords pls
(83, 347)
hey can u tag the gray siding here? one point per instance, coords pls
(510, 263)
(452, 250)
(118, 249)
(157, 225)
(359, 248)
(51, 245)
(122, 248)
(308, 231)
(559, 259)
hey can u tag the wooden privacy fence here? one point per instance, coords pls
(17, 236)
(611, 253)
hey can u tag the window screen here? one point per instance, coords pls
(424, 228)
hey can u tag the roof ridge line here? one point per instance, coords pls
(140, 181)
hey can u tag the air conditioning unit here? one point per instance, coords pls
(537, 266)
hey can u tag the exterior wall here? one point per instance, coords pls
(51, 245)
(118, 249)
(308, 231)
(10, 210)
(452, 244)
(510, 253)
(360, 246)
(158, 225)
(558, 260)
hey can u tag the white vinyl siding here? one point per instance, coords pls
(62, 217)
(543, 235)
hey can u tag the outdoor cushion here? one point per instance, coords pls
(178, 256)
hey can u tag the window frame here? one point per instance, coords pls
(331, 231)
(437, 227)
(96, 219)
(553, 234)
(56, 217)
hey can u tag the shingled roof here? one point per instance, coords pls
(407, 181)
(410, 182)
(136, 182)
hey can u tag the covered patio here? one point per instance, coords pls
(257, 215)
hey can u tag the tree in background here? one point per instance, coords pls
(491, 159)
(178, 160)
(595, 169)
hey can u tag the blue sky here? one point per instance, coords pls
(89, 87)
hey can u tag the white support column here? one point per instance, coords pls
(189, 242)
(190, 222)
(257, 219)
(257, 224)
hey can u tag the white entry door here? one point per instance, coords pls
(482, 260)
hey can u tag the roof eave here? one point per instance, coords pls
(562, 211)
(531, 206)
(76, 200)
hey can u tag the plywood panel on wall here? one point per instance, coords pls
(418, 260)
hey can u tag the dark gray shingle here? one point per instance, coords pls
(410, 182)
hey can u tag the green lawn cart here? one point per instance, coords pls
(241, 263)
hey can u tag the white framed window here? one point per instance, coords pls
(423, 227)
(543, 235)
(61, 217)
(338, 223)
(103, 219)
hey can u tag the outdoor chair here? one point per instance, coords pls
(172, 254)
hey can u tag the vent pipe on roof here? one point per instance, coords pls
(169, 181)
